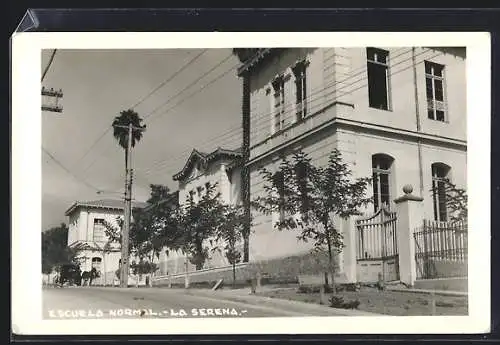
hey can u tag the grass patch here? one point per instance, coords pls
(382, 302)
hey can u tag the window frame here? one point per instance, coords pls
(278, 103)
(387, 67)
(432, 103)
(377, 171)
(437, 203)
(300, 75)
(99, 223)
(98, 260)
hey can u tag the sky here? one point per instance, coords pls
(97, 85)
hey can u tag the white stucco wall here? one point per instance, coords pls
(358, 147)
(73, 227)
(81, 228)
(402, 113)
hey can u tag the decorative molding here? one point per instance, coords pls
(346, 123)
(205, 160)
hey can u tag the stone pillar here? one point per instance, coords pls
(349, 251)
(409, 210)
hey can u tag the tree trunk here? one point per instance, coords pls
(126, 159)
(104, 267)
(331, 264)
(234, 274)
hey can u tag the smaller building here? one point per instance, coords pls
(87, 234)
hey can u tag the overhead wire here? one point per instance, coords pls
(319, 89)
(310, 99)
(165, 162)
(142, 100)
(51, 59)
(67, 170)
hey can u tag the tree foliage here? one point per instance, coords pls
(310, 198)
(120, 133)
(151, 228)
(143, 267)
(197, 223)
(230, 234)
(456, 201)
(55, 250)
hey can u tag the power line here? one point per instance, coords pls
(310, 99)
(177, 104)
(317, 90)
(187, 87)
(141, 101)
(162, 164)
(67, 170)
(48, 65)
(165, 162)
(169, 79)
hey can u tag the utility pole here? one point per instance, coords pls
(50, 97)
(128, 209)
(50, 100)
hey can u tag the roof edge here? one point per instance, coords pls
(252, 61)
(78, 204)
(218, 152)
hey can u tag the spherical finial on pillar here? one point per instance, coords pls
(407, 189)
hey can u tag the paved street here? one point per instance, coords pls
(99, 302)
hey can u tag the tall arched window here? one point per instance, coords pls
(440, 173)
(381, 171)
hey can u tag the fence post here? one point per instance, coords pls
(432, 303)
(349, 252)
(409, 216)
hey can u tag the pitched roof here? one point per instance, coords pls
(205, 159)
(110, 204)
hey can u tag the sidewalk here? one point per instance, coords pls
(244, 296)
(428, 292)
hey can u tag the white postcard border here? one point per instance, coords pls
(26, 184)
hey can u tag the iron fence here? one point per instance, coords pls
(441, 249)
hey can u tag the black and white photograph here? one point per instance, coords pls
(199, 181)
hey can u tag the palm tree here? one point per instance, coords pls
(121, 133)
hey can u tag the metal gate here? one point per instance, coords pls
(377, 250)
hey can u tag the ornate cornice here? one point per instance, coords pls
(250, 58)
(205, 159)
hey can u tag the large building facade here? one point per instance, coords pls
(396, 114)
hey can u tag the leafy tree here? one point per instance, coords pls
(456, 201)
(197, 222)
(121, 133)
(310, 198)
(55, 250)
(230, 233)
(143, 267)
(151, 228)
